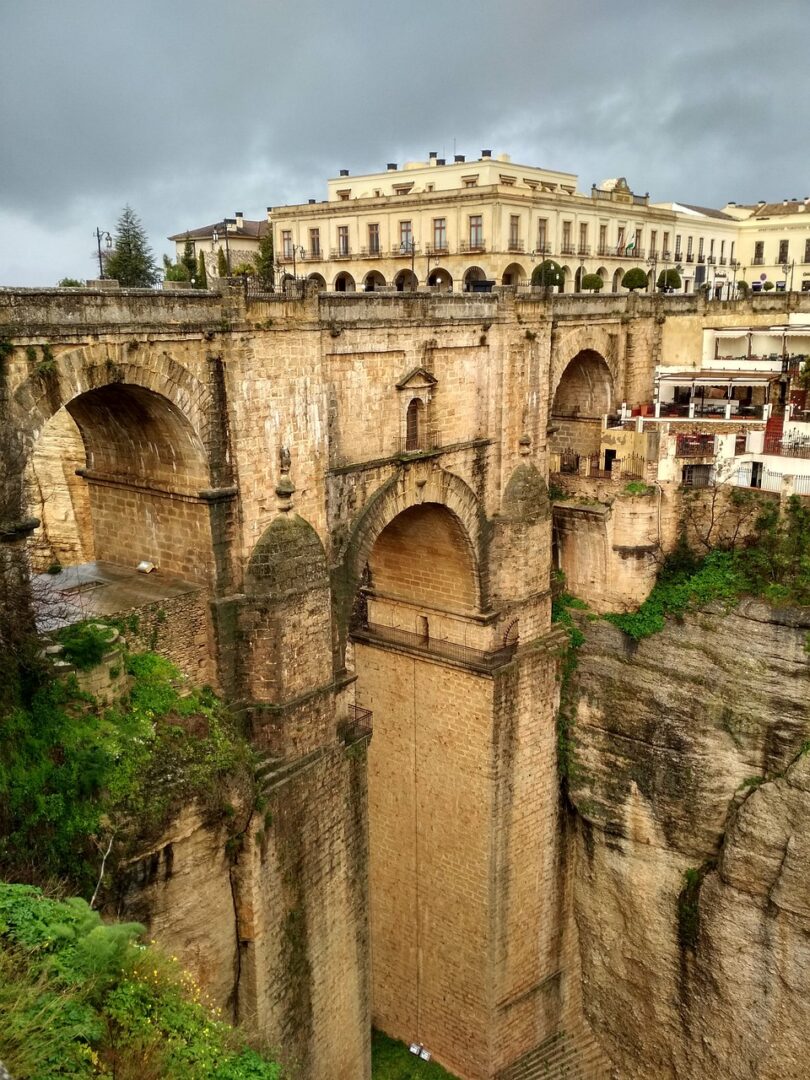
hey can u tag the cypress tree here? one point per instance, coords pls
(188, 260)
(202, 275)
(222, 264)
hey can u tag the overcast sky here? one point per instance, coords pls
(190, 111)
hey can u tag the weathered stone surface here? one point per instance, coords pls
(667, 733)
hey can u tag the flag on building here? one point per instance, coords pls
(631, 242)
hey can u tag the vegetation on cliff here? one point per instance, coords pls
(81, 999)
(392, 1060)
(78, 779)
(773, 562)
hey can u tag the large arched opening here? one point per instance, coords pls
(582, 397)
(373, 280)
(119, 479)
(420, 674)
(318, 280)
(472, 275)
(513, 274)
(440, 279)
(406, 281)
(344, 282)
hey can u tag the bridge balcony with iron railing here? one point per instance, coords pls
(405, 251)
(515, 245)
(437, 249)
(584, 249)
(468, 247)
(357, 725)
(341, 253)
(374, 252)
(690, 258)
(701, 258)
(781, 447)
(420, 443)
(542, 250)
(313, 255)
(722, 260)
(486, 659)
(567, 249)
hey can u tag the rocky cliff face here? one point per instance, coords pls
(692, 885)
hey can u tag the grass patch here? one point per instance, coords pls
(392, 1060)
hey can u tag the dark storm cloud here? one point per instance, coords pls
(189, 111)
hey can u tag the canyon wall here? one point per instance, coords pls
(692, 789)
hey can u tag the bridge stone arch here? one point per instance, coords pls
(595, 339)
(416, 485)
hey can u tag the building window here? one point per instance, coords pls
(345, 194)
(637, 244)
(414, 425)
(677, 246)
(722, 250)
(471, 183)
(514, 230)
(759, 252)
(731, 251)
(405, 236)
(689, 247)
(620, 244)
(665, 246)
(343, 239)
(566, 238)
(653, 241)
(807, 251)
(711, 247)
(583, 238)
(374, 239)
(439, 234)
(783, 250)
(700, 248)
(542, 235)
(476, 231)
(603, 239)
(314, 242)
(286, 244)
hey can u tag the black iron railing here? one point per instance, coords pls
(694, 446)
(357, 725)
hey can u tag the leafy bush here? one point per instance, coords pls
(73, 775)
(773, 564)
(767, 286)
(592, 283)
(669, 279)
(84, 643)
(635, 278)
(548, 273)
(743, 288)
(79, 998)
(70, 283)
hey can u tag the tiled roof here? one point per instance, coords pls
(780, 208)
(708, 211)
(255, 230)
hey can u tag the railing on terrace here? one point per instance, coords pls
(583, 249)
(516, 245)
(465, 247)
(796, 448)
(341, 253)
(357, 725)
(694, 446)
(437, 249)
(419, 444)
(371, 252)
(448, 650)
(567, 249)
(569, 462)
(671, 408)
(764, 479)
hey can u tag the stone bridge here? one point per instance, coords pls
(345, 501)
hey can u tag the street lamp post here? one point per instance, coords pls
(101, 234)
(788, 266)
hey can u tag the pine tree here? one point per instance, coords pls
(222, 264)
(264, 259)
(188, 260)
(202, 275)
(131, 261)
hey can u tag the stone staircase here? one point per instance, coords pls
(561, 1057)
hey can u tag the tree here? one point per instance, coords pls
(222, 264)
(743, 288)
(70, 283)
(635, 278)
(265, 260)
(767, 285)
(669, 279)
(592, 283)
(188, 259)
(202, 274)
(548, 273)
(244, 269)
(131, 261)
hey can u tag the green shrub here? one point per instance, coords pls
(669, 279)
(80, 998)
(548, 273)
(392, 1060)
(634, 278)
(767, 286)
(743, 288)
(70, 283)
(84, 644)
(592, 283)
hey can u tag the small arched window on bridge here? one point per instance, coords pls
(415, 425)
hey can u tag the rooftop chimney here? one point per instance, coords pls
(240, 219)
(486, 153)
(344, 172)
(440, 161)
(459, 157)
(392, 166)
(311, 201)
(433, 154)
